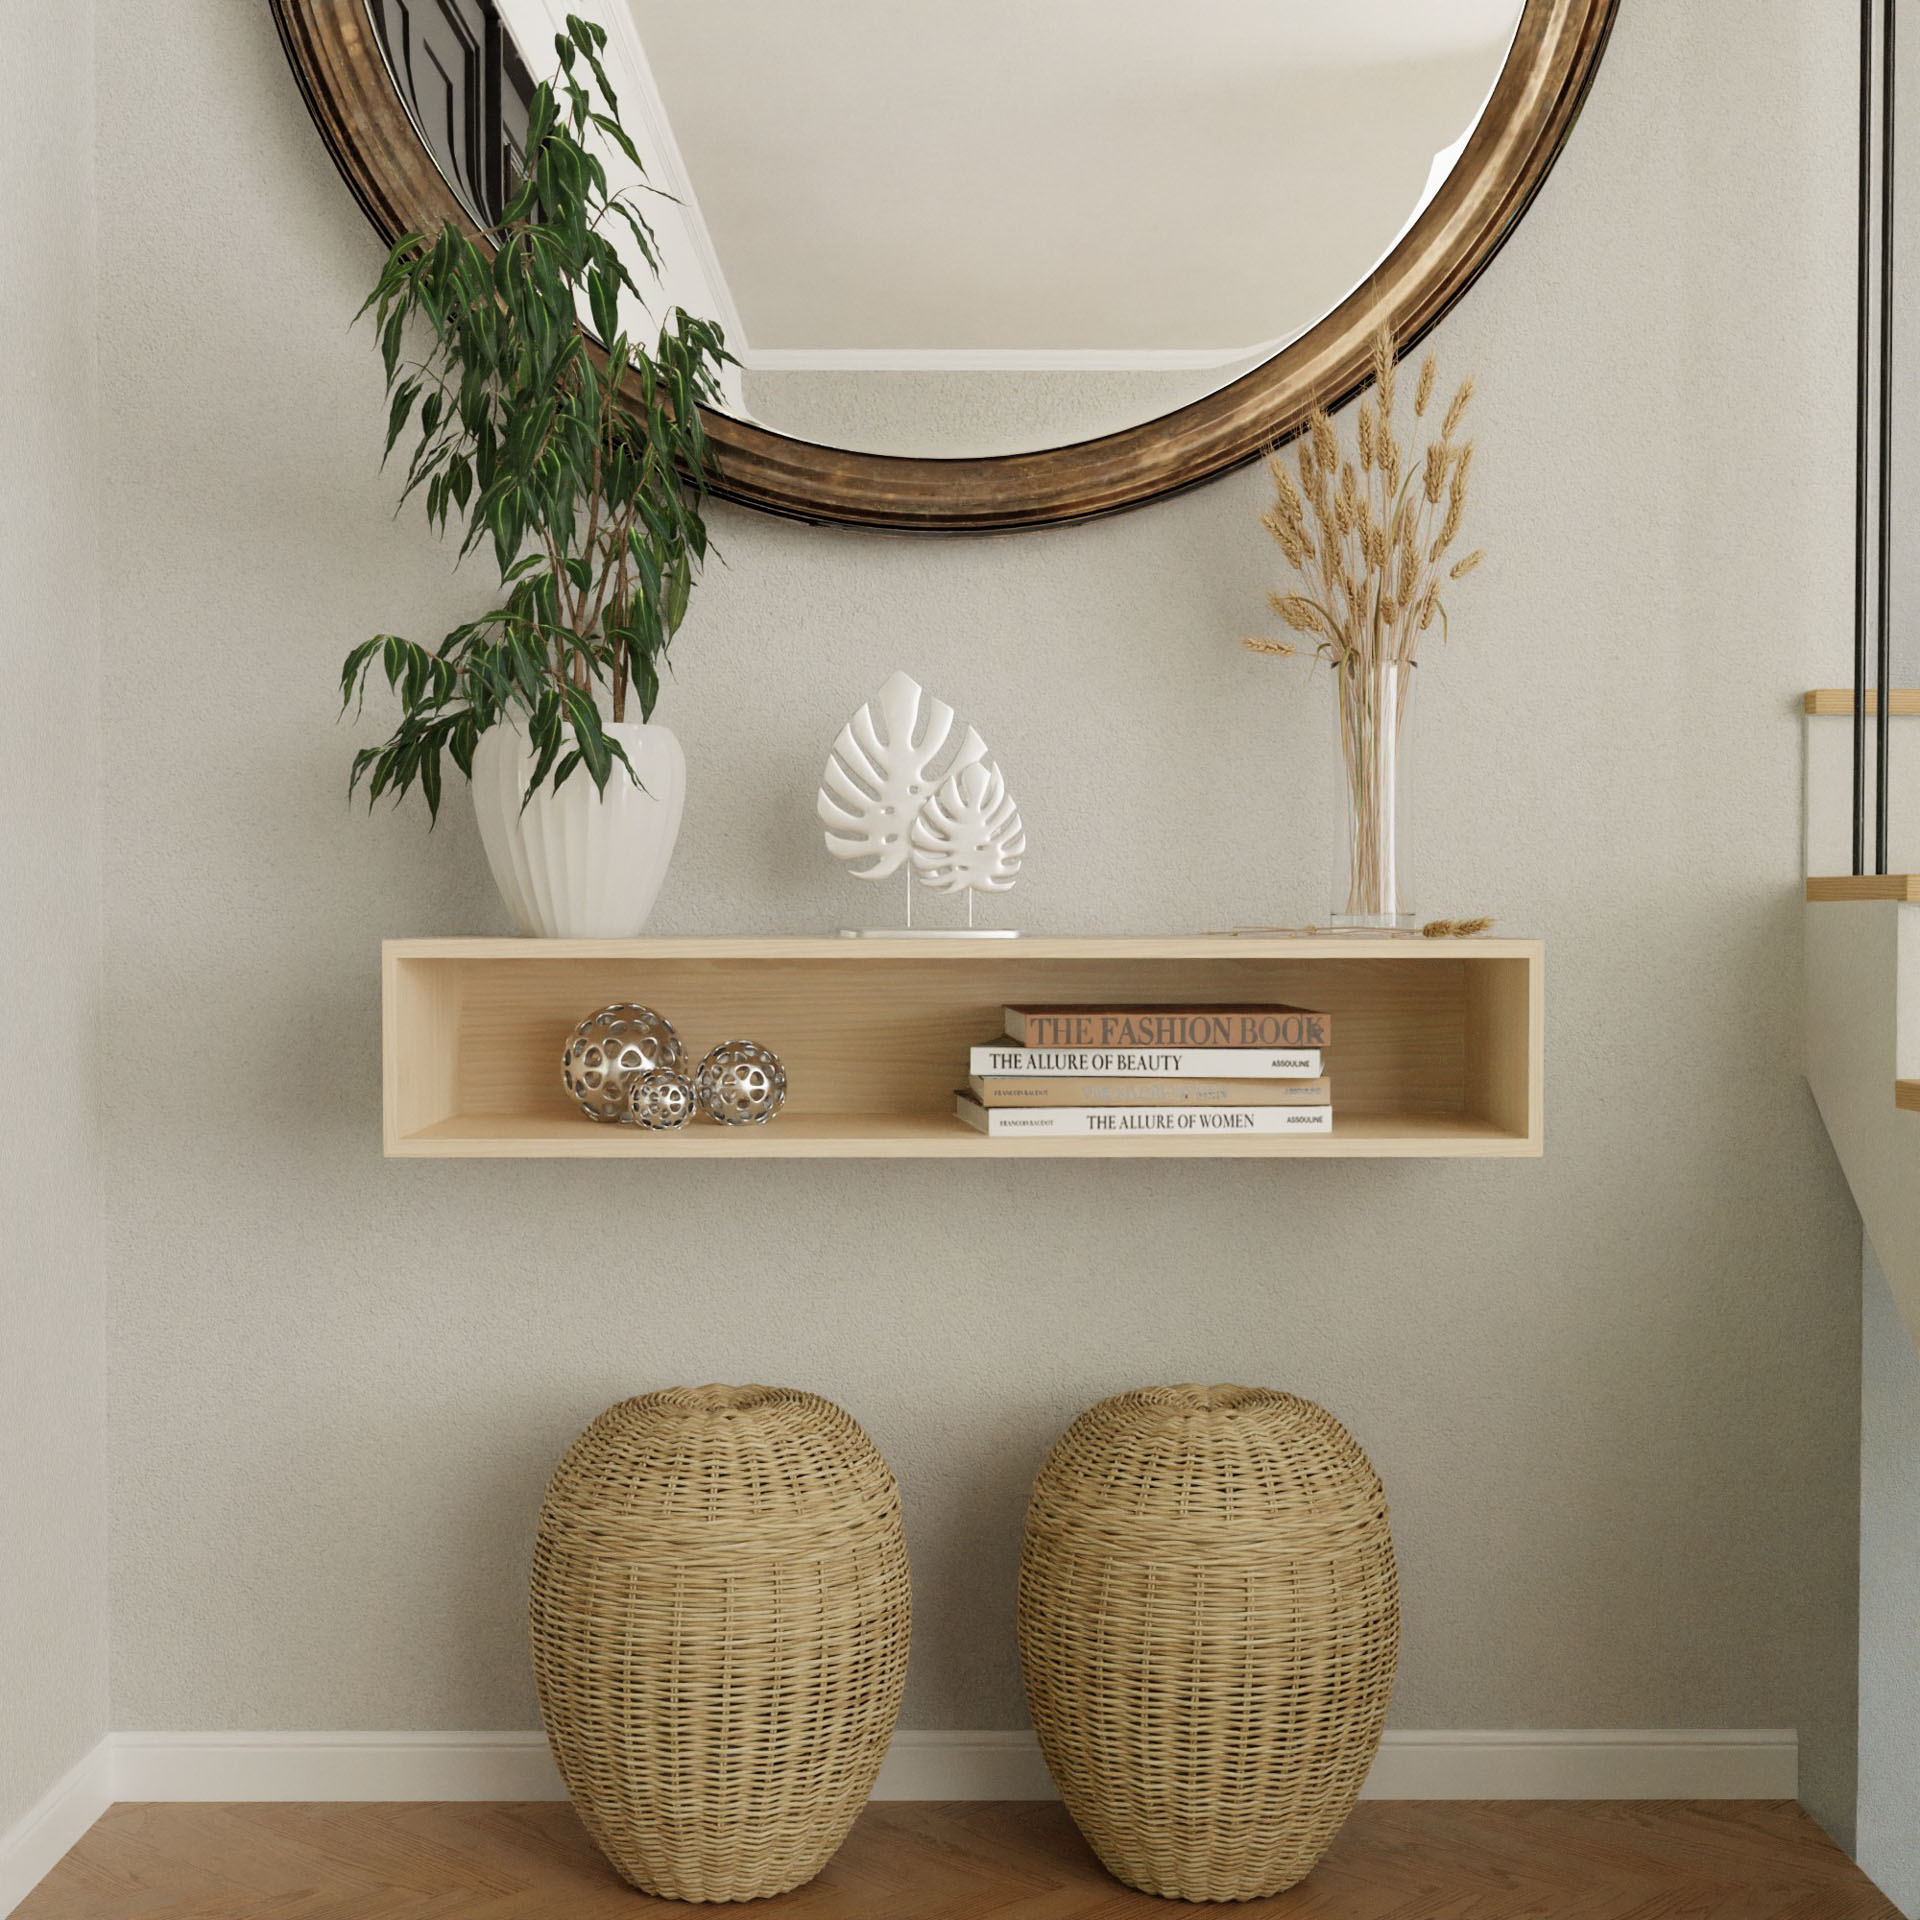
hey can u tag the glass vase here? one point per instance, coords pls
(1371, 884)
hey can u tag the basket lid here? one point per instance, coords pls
(687, 1457)
(1205, 1455)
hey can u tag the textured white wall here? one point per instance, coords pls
(1612, 1392)
(53, 1562)
(1888, 1840)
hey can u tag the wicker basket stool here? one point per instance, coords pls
(1208, 1626)
(719, 1619)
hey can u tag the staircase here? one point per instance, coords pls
(1863, 982)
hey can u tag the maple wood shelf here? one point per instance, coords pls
(1833, 887)
(1436, 1043)
(1901, 701)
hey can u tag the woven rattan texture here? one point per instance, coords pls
(720, 1619)
(1208, 1626)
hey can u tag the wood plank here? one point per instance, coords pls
(885, 1136)
(1906, 1094)
(1864, 886)
(420, 1045)
(979, 1860)
(1505, 1046)
(1839, 700)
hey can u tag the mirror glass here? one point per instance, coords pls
(970, 227)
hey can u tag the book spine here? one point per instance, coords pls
(1079, 1027)
(1185, 1063)
(1143, 1122)
(1004, 1090)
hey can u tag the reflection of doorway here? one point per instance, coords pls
(466, 88)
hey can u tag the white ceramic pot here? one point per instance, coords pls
(577, 865)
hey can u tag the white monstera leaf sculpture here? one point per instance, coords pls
(881, 773)
(968, 835)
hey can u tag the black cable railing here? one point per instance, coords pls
(1874, 487)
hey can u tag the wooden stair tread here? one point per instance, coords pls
(1839, 700)
(1864, 886)
(1906, 1093)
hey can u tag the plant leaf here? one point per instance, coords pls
(581, 475)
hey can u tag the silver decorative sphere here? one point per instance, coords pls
(663, 1100)
(741, 1085)
(611, 1052)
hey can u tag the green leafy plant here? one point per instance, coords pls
(582, 465)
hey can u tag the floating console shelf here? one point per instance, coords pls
(1437, 1043)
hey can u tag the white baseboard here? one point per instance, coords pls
(1520, 1764)
(334, 1766)
(964, 1766)
(31, 1849)
(1554, 1763)
(1538, 1764)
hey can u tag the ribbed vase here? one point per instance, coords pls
(1209, 1622)
(720, 1618)
(579, 864)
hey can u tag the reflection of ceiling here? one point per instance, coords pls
(1116, 177)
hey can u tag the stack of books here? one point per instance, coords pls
(1152, 1070)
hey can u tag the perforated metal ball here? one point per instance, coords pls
(663, 1100)
(740, 1084)
(611, 1052)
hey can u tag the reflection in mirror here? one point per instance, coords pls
(955, 229)
(466, 87)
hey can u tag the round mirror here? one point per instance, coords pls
(1009, 262)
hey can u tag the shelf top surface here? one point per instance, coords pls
(1202, 946)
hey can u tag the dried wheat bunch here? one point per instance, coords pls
(1369, 536)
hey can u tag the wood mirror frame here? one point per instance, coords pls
(1556, 51)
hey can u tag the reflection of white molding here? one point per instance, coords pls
(1002, 359)
(1444, 163)
(631, 68)
(687, 240)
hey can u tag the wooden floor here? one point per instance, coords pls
(1011, 1860)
